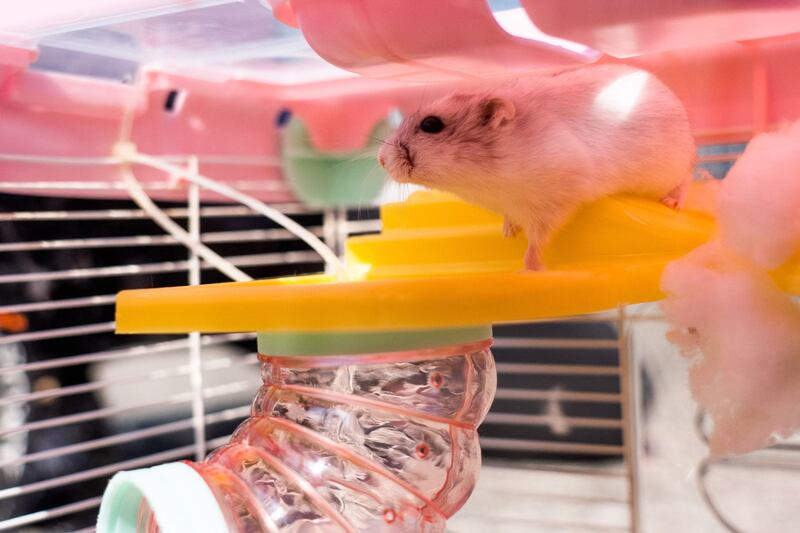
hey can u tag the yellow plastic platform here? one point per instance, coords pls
(441, 263)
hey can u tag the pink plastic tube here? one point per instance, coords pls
(368, 442)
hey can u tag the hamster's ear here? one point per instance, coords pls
(496, 112)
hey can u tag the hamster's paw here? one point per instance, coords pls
(532, 259)
(509, 228)
(674, 199)
(672, 203)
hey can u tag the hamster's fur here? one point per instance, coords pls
(536, 149)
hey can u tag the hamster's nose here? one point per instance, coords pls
(381, 160)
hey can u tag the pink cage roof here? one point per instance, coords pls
(340, 65)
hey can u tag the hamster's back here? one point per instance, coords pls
(634, 129)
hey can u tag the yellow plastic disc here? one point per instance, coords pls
(442, 263)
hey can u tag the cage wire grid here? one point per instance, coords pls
(559, 409)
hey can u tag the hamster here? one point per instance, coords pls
(537, 148)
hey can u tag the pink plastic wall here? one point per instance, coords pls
(423, 41)
(730, 90)
(733, 90)
(51, 114)
(58, 115)
(14, 57)
(52, 16)
(625, 28)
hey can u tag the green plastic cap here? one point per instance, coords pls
(322, 179)
(365, 342)
(176, 494)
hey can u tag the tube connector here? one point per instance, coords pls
(125, 150)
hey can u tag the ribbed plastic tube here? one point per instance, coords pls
(383, 441)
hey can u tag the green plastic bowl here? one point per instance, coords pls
(332, 180)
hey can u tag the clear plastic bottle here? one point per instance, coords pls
(368, 442)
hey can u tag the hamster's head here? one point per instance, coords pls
(448, 143)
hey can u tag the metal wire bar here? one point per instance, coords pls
(516, 419)
(575, 498)
(176, 399)
(788, 446)
(70, 331)
(581, 370)
(573, 527)
(55, 512)
(141, 349)
(166, 185)
(91, 503)
(361, 226)
(153, 240)
(630, 407)
(497, 443)
(100, 471)
(132, 214)
(67, 303)
(509, 342)
(279, 258)
(563, 395)
(724, 135)
(128, 436)
(208, 159)
(602, 317)
(65, 160)
(598, 471)
(195, 356)
(719, 158)
(759, 462)
(155, 375)
(702, 474)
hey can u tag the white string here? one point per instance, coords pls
(144, 202)
(128, 154)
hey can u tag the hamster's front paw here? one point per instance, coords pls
(532, 259)
(510, 229)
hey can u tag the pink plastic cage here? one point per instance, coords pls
(206, 79)
(735, 77)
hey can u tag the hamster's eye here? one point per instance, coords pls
(431, 124)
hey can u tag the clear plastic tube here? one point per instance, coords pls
(375, 442)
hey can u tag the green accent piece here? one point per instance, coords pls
(177, 495)
(364, 342)
(332, 180)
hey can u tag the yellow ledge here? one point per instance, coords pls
(440, 262)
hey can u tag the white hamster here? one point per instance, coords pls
(536, 149)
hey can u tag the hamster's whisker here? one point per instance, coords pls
(363, 183)
(359, 156)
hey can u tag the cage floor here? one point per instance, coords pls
(512, 499)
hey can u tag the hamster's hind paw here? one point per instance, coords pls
(670, 202)
(675, 198)
(510, 229)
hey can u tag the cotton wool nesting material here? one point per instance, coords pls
(740, 332)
